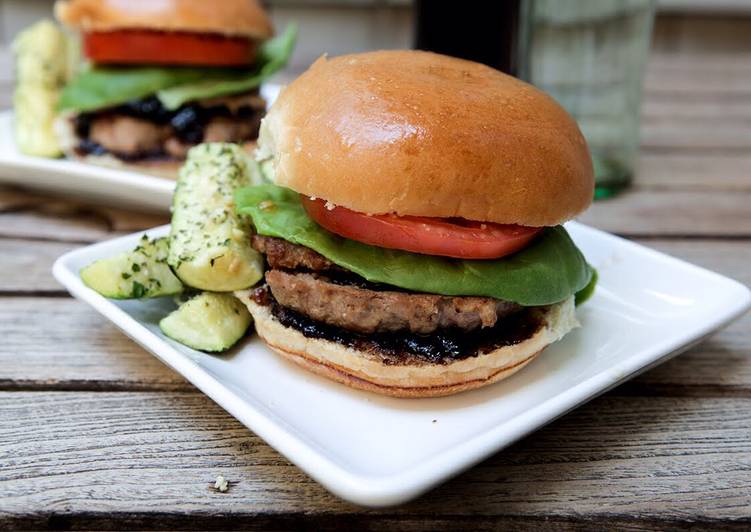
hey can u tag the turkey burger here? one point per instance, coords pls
(162, 76)
(412, 232)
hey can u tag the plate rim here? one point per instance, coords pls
(21, 161)
(118, 187)
(387, 490)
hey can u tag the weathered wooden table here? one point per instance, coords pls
(96, 433)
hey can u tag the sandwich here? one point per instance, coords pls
(412, 231)
(161, 77)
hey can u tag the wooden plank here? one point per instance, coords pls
(81, 350)
(80, 226)
(27, 265)
(680, 81)
(62, 344)
(642, 212)
(696, 106)
(86, 458)
(727, 7)
(701, 37)
(694, 171)
(29, 215)
(700, 73)
(71, 225)
(701, 63)
(716, 136)
(679, 117)
(637, 212)
(715, 111)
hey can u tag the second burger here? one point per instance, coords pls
(164, 76)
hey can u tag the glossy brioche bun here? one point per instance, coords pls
(416, 133)
(361, 370)
(240, 18)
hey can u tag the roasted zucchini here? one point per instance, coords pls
(209, 243)
(210, 322)
(136, 274)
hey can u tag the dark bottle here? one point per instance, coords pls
(483, 31)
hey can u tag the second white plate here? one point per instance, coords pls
(110, 186)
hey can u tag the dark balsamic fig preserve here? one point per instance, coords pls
(441, 347)
(188, 124)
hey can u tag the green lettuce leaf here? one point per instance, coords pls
(273, 55)
(550, 270)
(583, 295)
(100, 87)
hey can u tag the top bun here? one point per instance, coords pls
(422, 134)
(239, 18)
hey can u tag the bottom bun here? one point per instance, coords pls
(168, 168)
(364, 371)
(68, 140)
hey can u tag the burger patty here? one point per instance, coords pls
(127, 135)
(145, 129)
(322, 293)
(368, 311)
(404, 347)
(285, 255)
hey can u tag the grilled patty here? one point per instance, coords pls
(406, 348)
(281, 254)
(367, 311)
(145, 129)
(306, 282)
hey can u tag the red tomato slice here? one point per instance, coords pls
(167, 48)
(461, 239)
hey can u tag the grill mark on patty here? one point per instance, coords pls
(405, 348)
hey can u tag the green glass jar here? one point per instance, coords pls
(590, 56)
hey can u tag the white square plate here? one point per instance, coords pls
(114, 187)
(379, 451)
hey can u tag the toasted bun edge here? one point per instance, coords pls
(357, 370)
